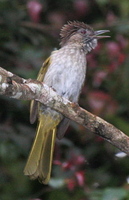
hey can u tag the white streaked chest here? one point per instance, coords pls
(67, 71)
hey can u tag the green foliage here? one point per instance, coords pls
(85, 167)
(110, 193)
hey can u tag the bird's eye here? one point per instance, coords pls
(83, 31)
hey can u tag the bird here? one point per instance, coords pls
(64, 71)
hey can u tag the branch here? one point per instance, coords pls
(19, 88)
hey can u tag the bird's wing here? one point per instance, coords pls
(34, 104)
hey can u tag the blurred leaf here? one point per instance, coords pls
(102, 2)
(120, 123)
(109, 194)
(114, 194)
(56, 183)
(124, 7)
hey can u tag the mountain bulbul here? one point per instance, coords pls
(65, 72)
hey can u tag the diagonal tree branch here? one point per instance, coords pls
(16, 87)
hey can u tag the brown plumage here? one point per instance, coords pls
(71, 28)
(65, 72)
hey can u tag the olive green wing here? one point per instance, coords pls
(34, 104)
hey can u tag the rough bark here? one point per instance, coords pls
(16, 87)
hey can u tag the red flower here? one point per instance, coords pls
(80, 176)
(34, 9)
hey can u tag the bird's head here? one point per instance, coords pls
(79, 33)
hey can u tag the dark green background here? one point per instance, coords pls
(25, 42)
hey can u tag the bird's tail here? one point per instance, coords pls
(40, 159)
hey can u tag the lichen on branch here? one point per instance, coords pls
(16, 87)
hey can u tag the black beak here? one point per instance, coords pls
(99, 36)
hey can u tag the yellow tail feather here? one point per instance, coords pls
(40, 159)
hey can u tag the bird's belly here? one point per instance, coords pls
(66, 73)
(67, 82)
